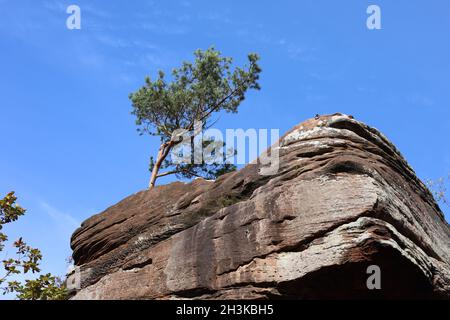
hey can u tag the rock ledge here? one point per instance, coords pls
(343, 199)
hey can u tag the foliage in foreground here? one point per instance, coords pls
(25, 261)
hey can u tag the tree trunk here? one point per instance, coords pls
(162, 154)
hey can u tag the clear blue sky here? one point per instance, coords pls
(69, 146)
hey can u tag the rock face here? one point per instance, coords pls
(343, 199)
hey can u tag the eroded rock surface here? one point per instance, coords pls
(343, 199)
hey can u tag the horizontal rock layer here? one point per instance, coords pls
(343, 199)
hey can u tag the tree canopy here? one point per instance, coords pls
(198, 90)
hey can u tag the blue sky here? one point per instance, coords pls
(69, 144)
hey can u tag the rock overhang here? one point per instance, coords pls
(250, 236)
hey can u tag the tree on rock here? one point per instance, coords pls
(198, 90)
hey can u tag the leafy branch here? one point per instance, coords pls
(27, 259)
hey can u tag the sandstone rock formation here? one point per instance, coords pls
(343, 199)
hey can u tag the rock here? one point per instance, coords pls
(343, 199)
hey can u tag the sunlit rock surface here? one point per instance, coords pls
(343, 199)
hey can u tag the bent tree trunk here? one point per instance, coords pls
(164, 150)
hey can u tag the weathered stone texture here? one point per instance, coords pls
(343, 199)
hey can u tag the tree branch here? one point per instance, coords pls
(163, 174)
(217, 105)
